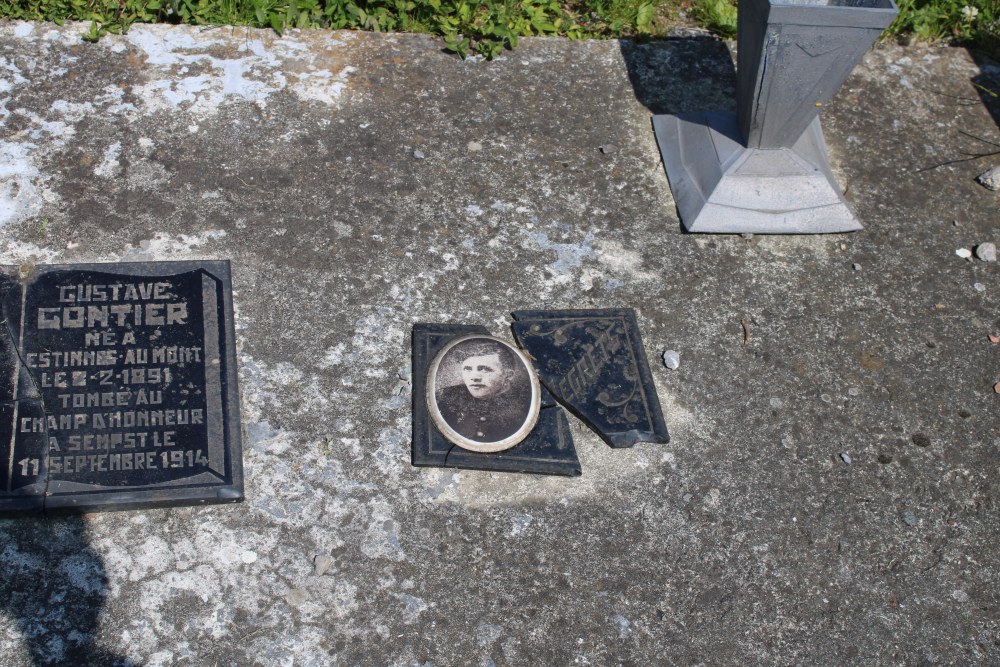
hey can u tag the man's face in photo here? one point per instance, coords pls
(483, 375)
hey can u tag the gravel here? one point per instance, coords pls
(990, 179)
(987, 252)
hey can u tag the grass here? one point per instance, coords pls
(487, 27)
(973, 23)
(719, 16)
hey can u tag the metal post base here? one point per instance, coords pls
(721, 186)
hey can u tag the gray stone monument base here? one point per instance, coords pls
(722, 186)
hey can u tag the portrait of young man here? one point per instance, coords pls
(483, 390)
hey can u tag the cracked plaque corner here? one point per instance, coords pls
(593, 362)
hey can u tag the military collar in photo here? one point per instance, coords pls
(546, 449)
(482, 393)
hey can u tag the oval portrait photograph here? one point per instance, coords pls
(482, 393)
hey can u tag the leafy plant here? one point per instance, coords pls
(618, 18)
(488, 27)
(719, 16)
(972, 22)
(485, 27)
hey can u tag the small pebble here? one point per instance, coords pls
(776, 402)
(853, 391)
(986, 252)
(979, 287)
(608, 149)
(964, 253)
(921, 440)
(856, 266)
(960, 595)
(474, 146)
(990, 179)
(746, 235)
(846, 458)
(418, 154)
(687, 497)
(622, 624)
(996, 387)
(321, 564)
(672, 359)
(909, 518)
(296, 597)
(826, 398)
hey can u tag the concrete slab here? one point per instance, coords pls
(829, 495)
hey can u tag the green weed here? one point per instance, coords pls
(484, 27)
(618, 18)
(487, 27)
(971, 22)
(719, 16)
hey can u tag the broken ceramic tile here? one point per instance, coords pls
(594, 363)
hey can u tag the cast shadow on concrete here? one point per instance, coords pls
(53, 586)
(681, 75)
(981, 151)
(987, 84)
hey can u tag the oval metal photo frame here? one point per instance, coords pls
(526, 381)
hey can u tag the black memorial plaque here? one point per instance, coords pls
(120, 387)
(22, 487)
(594, 363)
(548, 449)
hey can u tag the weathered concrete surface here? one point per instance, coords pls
(749, 539)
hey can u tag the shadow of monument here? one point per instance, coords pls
(987, 84)
(53, 586)
(681, 74)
